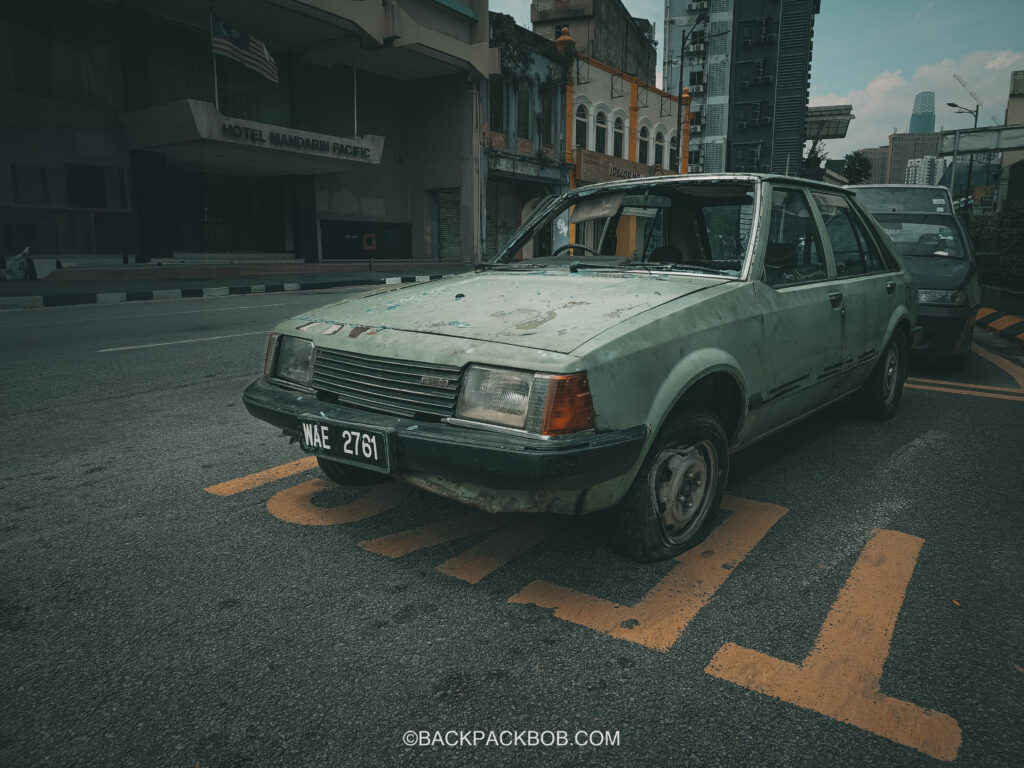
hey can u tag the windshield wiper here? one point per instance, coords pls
(672, 266)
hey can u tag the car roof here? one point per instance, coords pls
(702, 178)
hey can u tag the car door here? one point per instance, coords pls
(870, 289)
(803, 324)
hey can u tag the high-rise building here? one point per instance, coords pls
(925, 170)
(904, 147)
(922, 119)
(748, 70)
(879, 157)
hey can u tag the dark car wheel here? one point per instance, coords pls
(344, 474)
(880, 395)
(675, 497)
(961, 361)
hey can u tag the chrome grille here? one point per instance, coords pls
(382, 384)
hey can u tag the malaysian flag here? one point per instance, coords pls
(244, 48)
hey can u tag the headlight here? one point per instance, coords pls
(942, 298)
(294, 360)
(542, 403)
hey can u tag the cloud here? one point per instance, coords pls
(886, 100)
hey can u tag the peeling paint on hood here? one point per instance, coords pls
(547, 310)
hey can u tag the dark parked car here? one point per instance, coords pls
(938, 252)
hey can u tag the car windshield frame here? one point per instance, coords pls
(667, 219)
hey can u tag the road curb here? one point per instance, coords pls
(119, 297)
(1002, 323)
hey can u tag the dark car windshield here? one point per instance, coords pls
(902, 199)
(923, 234)
(686, 227)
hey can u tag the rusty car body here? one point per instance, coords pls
(626, 340)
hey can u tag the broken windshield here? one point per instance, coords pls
(686, 227)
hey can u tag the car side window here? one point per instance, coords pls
(793, 253)
(854, 250)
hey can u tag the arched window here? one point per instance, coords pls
(523, 110)
(618, 137)
(659, 149)
(645, 146)
(497, 121)
(674, 156)
(601, 133)
(581, 126)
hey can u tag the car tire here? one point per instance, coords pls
(880, 395)
(962, 361)
(675, 497)
(344, 474)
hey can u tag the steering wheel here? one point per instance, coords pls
(569, 246)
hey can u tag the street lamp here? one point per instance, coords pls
(679, 109)
(970, 165)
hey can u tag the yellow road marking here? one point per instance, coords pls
(1003, 322)
(495, 551)
(1011, 368)
(406, 542)
(1019, 398)
(840, 677)
(231, 487)
(295, 505)
(663, 614)
(919, 380)
(984, 312)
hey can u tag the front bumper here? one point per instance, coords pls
(945, 330)
(492, 459)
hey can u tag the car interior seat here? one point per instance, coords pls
(666, 253)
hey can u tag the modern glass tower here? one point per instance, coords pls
(922, 119)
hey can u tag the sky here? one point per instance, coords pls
(877, 54)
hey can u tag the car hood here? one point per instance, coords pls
(554, 312)
(938, 273)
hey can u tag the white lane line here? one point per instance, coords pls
(184, 341)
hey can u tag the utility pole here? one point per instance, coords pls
(970, 165)
(680, 148)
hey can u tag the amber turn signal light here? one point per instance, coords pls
(569, 407)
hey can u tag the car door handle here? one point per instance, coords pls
(836, 298)
(890, 287)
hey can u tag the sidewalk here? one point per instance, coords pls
(141, 282)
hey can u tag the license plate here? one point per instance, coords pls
(354, 445)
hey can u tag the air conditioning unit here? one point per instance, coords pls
(700, 6)
(698, 168)
(698, 88)
(742, 125)
(766, 80)
(695, 48)
(696, 129)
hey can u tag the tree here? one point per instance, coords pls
(816, 155)
(856, 167)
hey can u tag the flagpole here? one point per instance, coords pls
(213, 53)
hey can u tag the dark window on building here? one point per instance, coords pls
(673, 154)
(497, 91)
(547, 115)
(693, 157)
(523, 111)
(179, 62)
(619, 137)
(581, 126)
(659, 149)
(697, 77)
(601, 133)
(645, 146)
(95, 186)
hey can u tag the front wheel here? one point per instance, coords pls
(676, 494)
(880, 395)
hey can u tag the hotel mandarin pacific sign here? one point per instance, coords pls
(294, 141)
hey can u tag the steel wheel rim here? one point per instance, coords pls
(682, 484)
(891, 373)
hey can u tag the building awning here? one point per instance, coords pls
(830, 122)
(195, 135)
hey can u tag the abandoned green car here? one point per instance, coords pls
(627, 339)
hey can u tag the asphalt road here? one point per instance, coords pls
(860, 604)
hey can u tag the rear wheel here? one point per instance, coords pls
(344, 474)
(676, 494)
(961, 361)
(880, 395)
